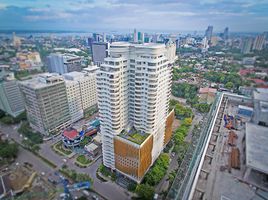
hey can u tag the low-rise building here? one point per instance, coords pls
(207, 95)
(92, 149)
(29, 60)
(71, 137)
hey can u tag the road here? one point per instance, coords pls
(109, 190)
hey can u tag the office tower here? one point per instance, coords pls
(208, 33)
(134, 85)
(266, 35)
(46, 103)
(140, 37)
(90, 41)
(104, 37)
(259, 42)
(97, 37)
(147, 39)
(81, 91)
(246, 45)
(205, 45)
(135, 36)
(64, 63)
(226, 33)
(155, 38)
(11, 100)
(16, 41)
(99, 52)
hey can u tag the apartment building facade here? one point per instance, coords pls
(81, 91)
(46, 103)
(134, 88)
(11, 100)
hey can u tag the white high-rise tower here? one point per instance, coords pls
(135, 36)
(134, 87)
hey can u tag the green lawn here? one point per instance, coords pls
(83, 160)
(137, 138)
(59, 146)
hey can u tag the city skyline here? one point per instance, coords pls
(171, 15)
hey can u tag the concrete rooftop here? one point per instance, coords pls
(257, 147)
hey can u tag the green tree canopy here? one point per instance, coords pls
(8, 150)
(145, 191)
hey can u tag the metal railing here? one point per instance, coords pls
(183, 181)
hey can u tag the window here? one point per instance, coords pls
(151, 64)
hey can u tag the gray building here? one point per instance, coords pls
(246, 45)
(46, 103)
(64, 63)
(208, 33)
(259, 42)
(260, 100)
(11, 100)
(99, 52)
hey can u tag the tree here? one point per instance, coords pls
(132, 187)
(8, 150)
(187, 121)
(2, 113)
(7, 120)
(157, 172)
(173, 103)
(26, 130)
(229, 85)
(145, 191)
(202, 107)
(179, 137)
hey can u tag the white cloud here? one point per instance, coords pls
(2, 6)
(49, 16)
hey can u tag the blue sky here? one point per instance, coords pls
(169, 15)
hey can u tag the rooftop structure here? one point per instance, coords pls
(70, 133)
(64, 63)
(207, 90)
(99, 52)
(260, 99)
(256, 147)
(207, 95)
(134, 136)
(92, 148)
(43, 80)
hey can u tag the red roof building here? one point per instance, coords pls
(244, 72)
(258, 81)
(71, 134)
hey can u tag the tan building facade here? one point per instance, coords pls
(132, 159)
